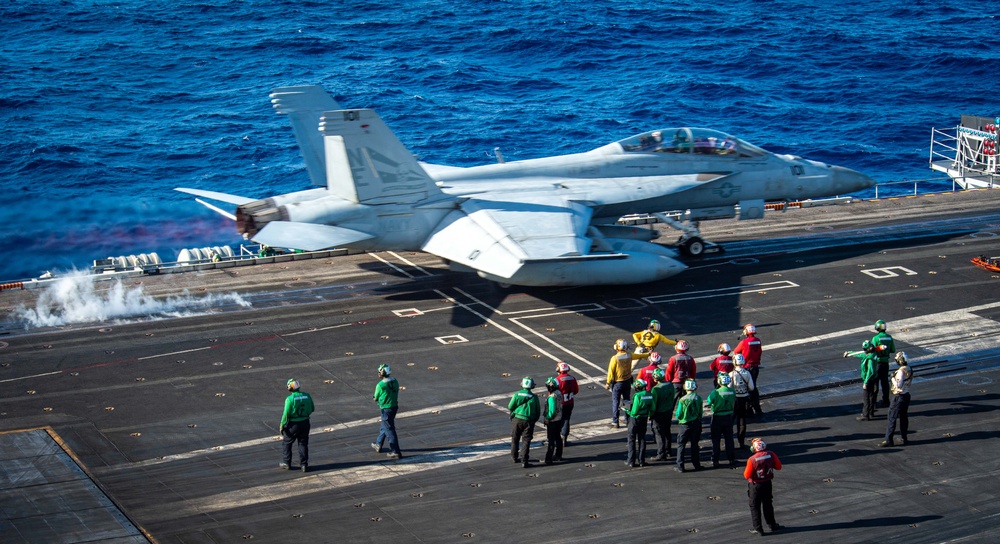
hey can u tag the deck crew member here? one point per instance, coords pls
(386, 395)
(553, 422)
(751, 349)
(869, 378)
(569, 388)
(723, 364)
(646, 372)
(721, 401)
(663, 395)
(742, 383)
(885, 347)
(524, 411)
(643, 405)
(648, 339)
(900, 385)
(681, 366)
(294, 426)
(620, 377)
(759, 472)
(688, 412)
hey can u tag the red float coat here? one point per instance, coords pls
(750, 349)
(679, 362)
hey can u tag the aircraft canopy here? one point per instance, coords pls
(702, 141)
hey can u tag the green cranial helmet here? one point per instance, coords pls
(654, 325)
(866, 345)
(292, 384)
(551, 382)
(658, 374)
(880, 326)
(639, 384)
(527, 382)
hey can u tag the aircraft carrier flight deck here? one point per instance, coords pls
(165, 429)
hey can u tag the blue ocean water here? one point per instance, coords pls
(109, 105)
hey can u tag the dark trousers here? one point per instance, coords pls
(897, 410)
(882, 371)
(722, 430)
(567, 411)
(521, 430)
(741, 411)
(636, 441)
(760, 496)
(755, 394)
(689, 433)
(388, 430)
(554, 443)
(661, 432)
(868, 398)
(619, 393)
(295, 431)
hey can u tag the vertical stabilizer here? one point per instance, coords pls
(366, 163)
(304, 107)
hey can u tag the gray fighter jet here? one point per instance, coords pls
(540, 222)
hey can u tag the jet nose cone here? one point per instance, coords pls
(666, 267)
(846, 180)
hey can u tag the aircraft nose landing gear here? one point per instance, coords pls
(690, 243)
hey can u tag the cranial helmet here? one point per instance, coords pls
(725, 348)
(292, 384)
(749, 329)
(690, 385)
(739, 360)
(655, 358)
(659, 374)
(681, 346)
(384, 370)
(527, 382)
(724, 379)
(551, 383)
(639, 384)
(758, 444)
(654, 325)
(867, 345)
(621, 344)
(880, 326)
(562, 367)
(901, 358)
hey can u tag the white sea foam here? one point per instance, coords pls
(78, 298)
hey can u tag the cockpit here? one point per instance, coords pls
(701, 141)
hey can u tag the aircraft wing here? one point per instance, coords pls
(498, 235)
(307, 236)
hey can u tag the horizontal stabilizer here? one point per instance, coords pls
(214, 195)
(307, 236)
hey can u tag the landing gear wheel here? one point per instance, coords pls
(694, 246)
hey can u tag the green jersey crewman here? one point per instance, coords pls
(387, 397)
(294, 425)
(884, 348)
(869, 378)
(524, 412)
(642, 407)
(688, 412)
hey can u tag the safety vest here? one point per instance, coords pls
(763, 467)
